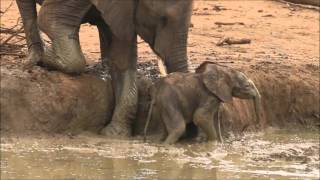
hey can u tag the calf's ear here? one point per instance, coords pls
(219, 83)
(119, 15)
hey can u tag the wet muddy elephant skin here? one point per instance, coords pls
(162, 24)
(27, 9)
(181, 98)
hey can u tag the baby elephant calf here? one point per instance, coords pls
(181, 98)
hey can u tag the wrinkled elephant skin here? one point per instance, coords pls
(181, 98)
(162, 24)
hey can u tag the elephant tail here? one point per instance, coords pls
(219, 130)
(219, 125)
(148, 120)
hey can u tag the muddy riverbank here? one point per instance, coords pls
(282, 59)
(38, 100)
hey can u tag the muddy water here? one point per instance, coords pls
(280, 155)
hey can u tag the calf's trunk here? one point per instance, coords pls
(257, 104)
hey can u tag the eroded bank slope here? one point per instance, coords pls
(282, 59)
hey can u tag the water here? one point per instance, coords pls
(278, 155)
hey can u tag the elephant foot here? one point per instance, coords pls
(49, 59)
(116, 130)
(258, 126)
(200, 139)
(34, 57)
(105, 63)
(72, 63)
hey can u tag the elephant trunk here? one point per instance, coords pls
(257, 103)
(170, 42)
(177, 60)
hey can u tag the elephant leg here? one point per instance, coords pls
(159, 128)
(61, 20)
(27, 9)
(203, 118)
(105, 42)
(174, 133)
(174, 123)
(123, 58)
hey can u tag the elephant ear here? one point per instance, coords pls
(119, 15)
(218, 82)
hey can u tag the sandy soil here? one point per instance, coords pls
(281, 34)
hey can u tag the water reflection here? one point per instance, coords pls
(97, 158)
(65, 165)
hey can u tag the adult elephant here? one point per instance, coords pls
(162, 24)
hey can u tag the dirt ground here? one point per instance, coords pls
(282, 36)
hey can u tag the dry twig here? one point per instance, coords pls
(10, 42)
(13, 54)
(3, 12)
(230, 41)
(218, 8)
(12, 36)
(228, 23)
